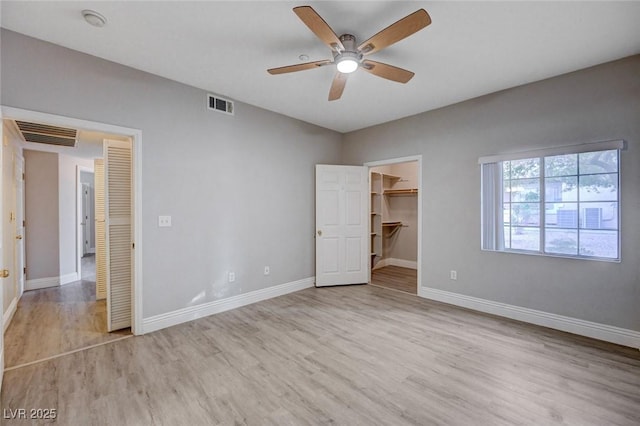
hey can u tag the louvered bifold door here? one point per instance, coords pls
(118, 209)
(101, 247)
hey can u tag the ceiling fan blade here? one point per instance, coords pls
(395, 32)
(319, 27)
(298, 67)
(337, 86)
(387, 71)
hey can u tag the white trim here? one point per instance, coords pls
(411, 264)
(136, 140)
(417, 158)
(191, 313)
(380, 264)
(79, 218)
(49, 358)
(558, 150)
(8, 315)
(39, 283)
(390, 261)
(69, 278)
(608, 333)
(1, 292)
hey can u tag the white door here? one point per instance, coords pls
(342, 226)
(19, 247)
(101, 243)
(118, 212)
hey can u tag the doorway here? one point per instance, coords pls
(395, 223)
(84, 235)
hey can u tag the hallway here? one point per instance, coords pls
(56, 320)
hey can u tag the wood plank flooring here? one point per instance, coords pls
(354, 355)
(56, 320)
(397, 278)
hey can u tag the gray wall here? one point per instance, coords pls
(41, 214)
(240, 189)
(599, 103)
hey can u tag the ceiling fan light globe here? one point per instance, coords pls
(347, 65)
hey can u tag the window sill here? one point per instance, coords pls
(561, 256)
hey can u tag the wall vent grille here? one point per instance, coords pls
(43, 133)
(219, 104)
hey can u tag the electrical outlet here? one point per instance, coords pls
(164, 221)
(453, 275)
(267, 271)
(232, 277)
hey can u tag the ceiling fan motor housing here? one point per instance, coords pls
(350, 52)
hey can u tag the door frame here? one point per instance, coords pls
(388, 162)
(1, 257)
(135, 135)
(17, 255)
(79, 219)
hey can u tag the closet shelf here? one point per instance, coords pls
(409, 191)
(388, 176)
(391, 224)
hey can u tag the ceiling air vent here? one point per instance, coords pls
(43, 133)
(219, 104)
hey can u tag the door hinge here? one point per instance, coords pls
(24, 223)
(133, 245)
(23, 176)
(24, 270)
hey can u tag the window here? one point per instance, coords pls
(557, 202)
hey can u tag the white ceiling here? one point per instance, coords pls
(470, 49)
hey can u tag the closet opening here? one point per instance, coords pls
(396, 193)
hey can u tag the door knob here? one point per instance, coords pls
(319, 233)
(18, 237)
(4, 273)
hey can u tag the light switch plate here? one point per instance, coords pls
(164, 221)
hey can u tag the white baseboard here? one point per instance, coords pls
(42, 283)
(411, 264)
(390, 261)
(8, 315)
(69, 278)
(608, 333)
(191, 313)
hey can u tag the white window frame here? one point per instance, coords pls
(491, 187)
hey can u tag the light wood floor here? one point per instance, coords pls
(56, 320)
(397, 278)
(356, 355)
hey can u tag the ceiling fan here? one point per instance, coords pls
(348, 57)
